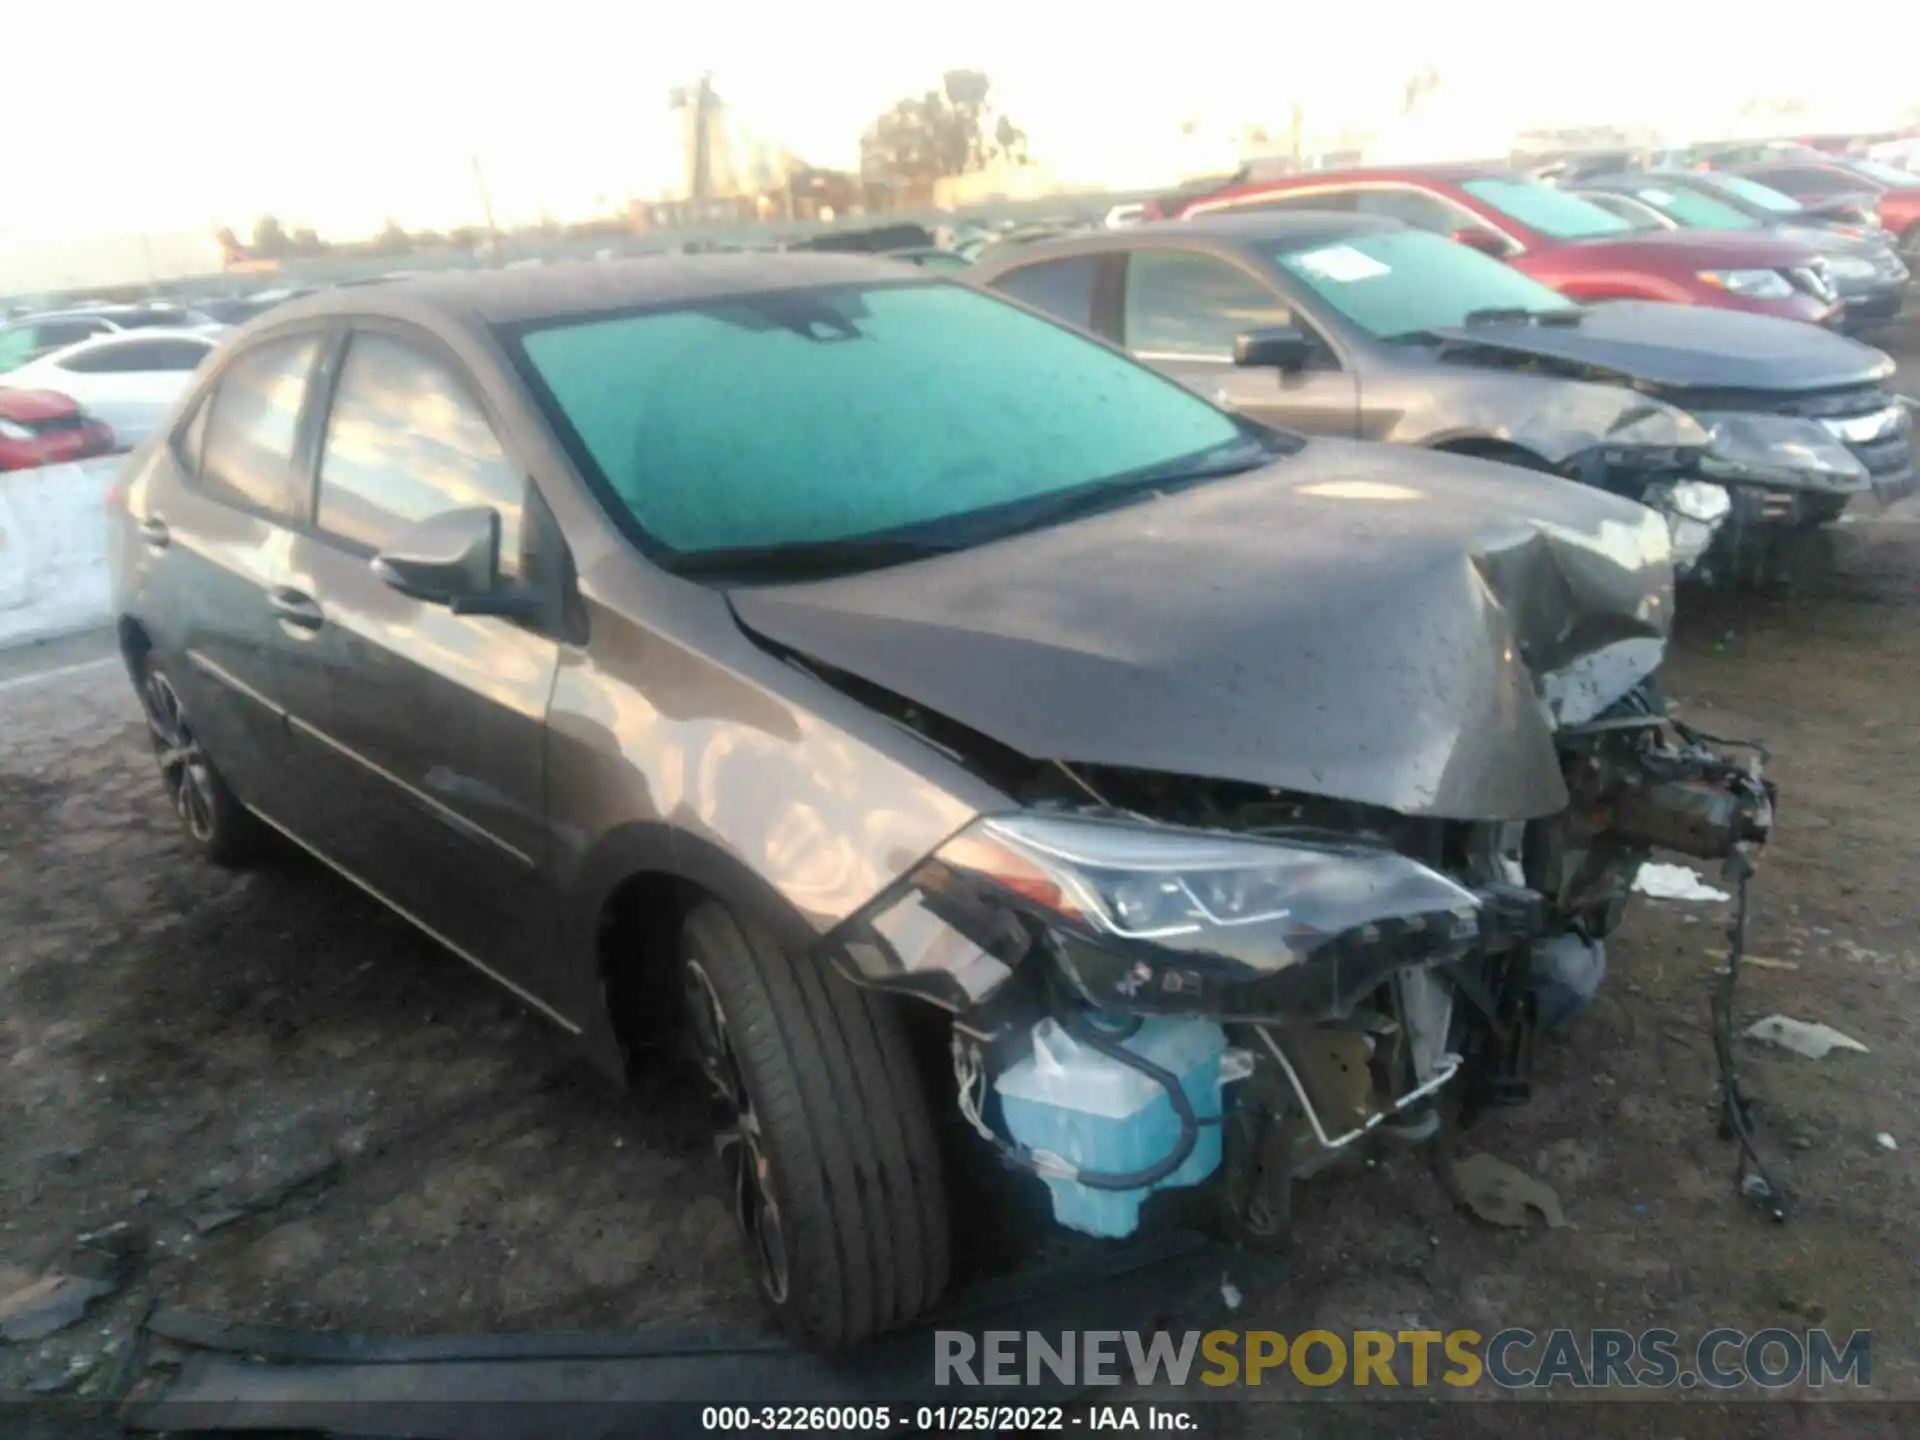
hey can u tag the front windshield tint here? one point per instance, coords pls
(1690, 207)
(1394, 283)
(1543, 208)
(1754, 193)
(806, 417)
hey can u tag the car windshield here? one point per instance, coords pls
(1402, 284)
(1690, 207)
(1754, 193)
(1883, 173)
(1543, 208)
(889, 416)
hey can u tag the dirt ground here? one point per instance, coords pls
(307, 1114)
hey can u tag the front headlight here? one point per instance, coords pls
(1851, 267)
(10, 430)
(1269, 902)
(1780, 451)
(1754, 284)
(1161, 919)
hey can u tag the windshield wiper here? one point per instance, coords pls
(1106, 494)
(1507, 314)
(808, 559)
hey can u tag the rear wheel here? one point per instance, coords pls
(831, 1167)
(219, 826)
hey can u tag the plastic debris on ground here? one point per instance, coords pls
(1886, 1141)
(1803, 1037)
(1230, 1292)
(1674, 882)
(1502, 1195)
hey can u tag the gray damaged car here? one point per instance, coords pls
(1734, 426)
(972, 748)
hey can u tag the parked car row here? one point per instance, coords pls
(999, 759)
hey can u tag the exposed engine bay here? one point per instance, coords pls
(1160, 981)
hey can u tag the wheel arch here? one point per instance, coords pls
(637, 889)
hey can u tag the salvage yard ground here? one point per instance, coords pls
(308, 1115)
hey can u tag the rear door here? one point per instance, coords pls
(217, 514)
(1180, 311)
(419, 732)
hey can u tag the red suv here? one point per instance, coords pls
(1559, 239)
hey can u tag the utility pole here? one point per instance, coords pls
(486, 208)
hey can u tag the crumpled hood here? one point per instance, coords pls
(1690, 346)
(1363, 622)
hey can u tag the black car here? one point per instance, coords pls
(1342, 324)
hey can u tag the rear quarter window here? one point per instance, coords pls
(1062, 288)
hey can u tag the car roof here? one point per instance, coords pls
(589, 287)
(1241, 228)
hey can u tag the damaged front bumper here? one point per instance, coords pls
(1796, 470)
(1345, 983)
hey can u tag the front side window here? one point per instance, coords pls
(844, 414)
(1187, 305)
(1063, 288)
(247, 452)
(1543, 208)
(405, 442)
(1404, 283)
(1754, 193)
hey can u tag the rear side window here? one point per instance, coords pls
(137, 357)
(1415, 208)
(247, 453)
(1062, 288)
(1810, 180)
(1182, 305)
(405, 442)
(55, 333)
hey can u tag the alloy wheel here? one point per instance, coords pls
(183, 767)
(737, 1138)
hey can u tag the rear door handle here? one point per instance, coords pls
(295, 607)
(154, 531)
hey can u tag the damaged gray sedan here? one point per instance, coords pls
(972, 747)
(1736, 427)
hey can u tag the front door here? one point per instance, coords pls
(419, 732)
(1181, 312)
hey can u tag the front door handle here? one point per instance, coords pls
(154, 531)
(296, 608)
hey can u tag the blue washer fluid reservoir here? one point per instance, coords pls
(1099, 1113)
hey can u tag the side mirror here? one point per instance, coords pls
(453, 559)
(1279, 347)
(1485, 241)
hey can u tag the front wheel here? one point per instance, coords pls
(220, 827)
(831, 1166)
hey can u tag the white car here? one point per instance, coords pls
(129, 379)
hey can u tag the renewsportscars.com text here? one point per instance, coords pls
(1512, 1359)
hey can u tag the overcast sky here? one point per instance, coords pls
(183, 113)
